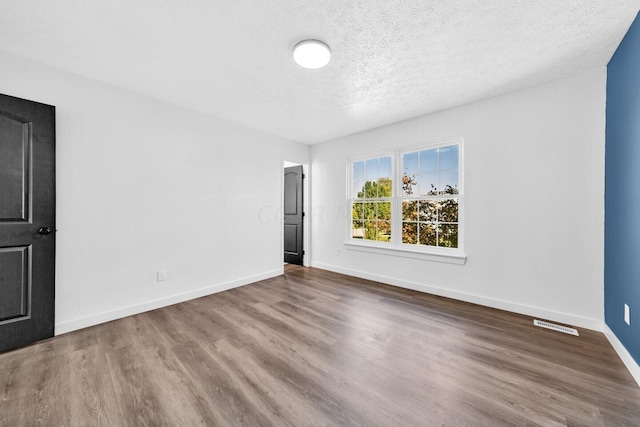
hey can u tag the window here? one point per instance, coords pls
(430, 197)
(408, 199)
(372, 187)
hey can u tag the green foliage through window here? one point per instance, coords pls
(372, 186)
(430, 180)
(428, 203)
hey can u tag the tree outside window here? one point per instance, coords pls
(423, 211)
(430, 189)
(371, 209)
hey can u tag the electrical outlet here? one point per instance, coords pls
(627, 315)
(162, 275)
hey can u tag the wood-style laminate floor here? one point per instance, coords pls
(318, 348)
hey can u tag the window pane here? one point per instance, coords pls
(358, 170)
(409, 185)
(357, 229)
(384, 231)
(410, 163)
(383, 211)
(428, 210)
(369, 230)
(370, 190)
(357, 211)
(428, 235)
(448, 236)
(358, 189)
(448, 157)
(449, 182)
(429, 160)
(410, 232)
(449, 210)
(385, 188)
(369, 210)
(384, 167)
(428, 184)
(409, 210)
(371, 169)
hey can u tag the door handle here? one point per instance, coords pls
(45, 230)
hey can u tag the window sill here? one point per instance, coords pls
(447, 258)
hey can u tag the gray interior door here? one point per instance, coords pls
(293, 215)
(27, 221)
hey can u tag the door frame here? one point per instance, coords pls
(306, 221)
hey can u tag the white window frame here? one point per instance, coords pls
(395, 247)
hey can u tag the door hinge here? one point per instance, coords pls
(303, 214)
(303, 176)
(302, 252)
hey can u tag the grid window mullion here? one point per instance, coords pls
(410, 197)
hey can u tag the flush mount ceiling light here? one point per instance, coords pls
(311, 54)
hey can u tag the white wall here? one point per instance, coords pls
(143, 185)
(534, 185)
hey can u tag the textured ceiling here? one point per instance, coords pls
(392, 59)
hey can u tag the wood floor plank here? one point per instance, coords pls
(92, 392)
(317, 348)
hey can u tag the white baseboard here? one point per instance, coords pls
(582, 322)
(107, 316)
(627, 359)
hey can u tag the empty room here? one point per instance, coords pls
(320, 213)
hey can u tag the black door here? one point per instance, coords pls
(293, 252)
(27, 221)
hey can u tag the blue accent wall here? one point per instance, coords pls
(622, 192)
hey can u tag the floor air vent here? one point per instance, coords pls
(554, 327)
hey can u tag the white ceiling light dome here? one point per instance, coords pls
(311, 54)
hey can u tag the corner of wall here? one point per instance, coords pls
(622, 198)
(625, 356)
